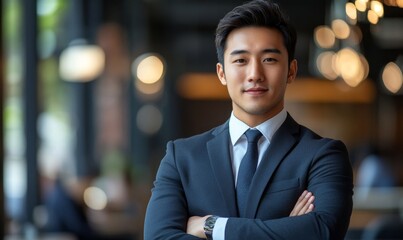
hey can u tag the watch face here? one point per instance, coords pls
(209, 226)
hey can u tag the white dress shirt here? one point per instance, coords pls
(238, 148)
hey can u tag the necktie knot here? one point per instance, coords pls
(253, 135)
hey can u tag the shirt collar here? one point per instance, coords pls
(237, 128)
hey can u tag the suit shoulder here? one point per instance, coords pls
(201, 138)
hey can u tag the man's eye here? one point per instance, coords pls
(240, 61)
(270, 60)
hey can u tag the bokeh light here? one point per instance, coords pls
(361, 5)
(377, 7)
(324, 65)
(392, 77)
(81, 63)
(148, 71)
(324, 37)
(351, 11)
(148, 68)
(95, 198)
(340, 28)
(372, 17)
(351, 66)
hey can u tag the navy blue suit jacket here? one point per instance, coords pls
(195, 179)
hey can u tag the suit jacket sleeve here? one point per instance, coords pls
(330, 180)
(185, 185)
(167, 214)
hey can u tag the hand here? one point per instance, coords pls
(304, 204)
(195, 226)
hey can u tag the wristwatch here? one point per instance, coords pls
(209, 226)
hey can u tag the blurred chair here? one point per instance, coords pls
(386, 227)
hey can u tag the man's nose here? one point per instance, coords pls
(255, 71)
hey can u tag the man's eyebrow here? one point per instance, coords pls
(236, 52)
(272, 50)
(267, 50)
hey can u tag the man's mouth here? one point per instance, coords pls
(255, 90)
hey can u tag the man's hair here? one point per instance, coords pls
(260, 13)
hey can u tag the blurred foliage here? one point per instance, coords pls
(50, 13)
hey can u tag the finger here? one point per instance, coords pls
(310, 208)
(300, 205)
(306, 207)
(302, 201)
(302, 196)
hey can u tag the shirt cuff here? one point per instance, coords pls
(219, 229)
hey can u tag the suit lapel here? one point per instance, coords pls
(281, 143)
(220, 160)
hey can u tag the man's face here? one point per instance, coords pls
(256, 73)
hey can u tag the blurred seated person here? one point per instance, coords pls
(67, 211)
(374, 171)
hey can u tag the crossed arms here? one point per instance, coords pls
(185, 189)
(304, 205)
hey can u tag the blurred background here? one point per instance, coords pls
(91, 91)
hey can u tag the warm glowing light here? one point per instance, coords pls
(350, 66)
(148, 68)
(149, 119)
(361, 5)
(351, 10)
(324, 65)
(377, 7)
(392, 77)
(372, 17)
(95, 198)
(201, 86)
(324, 37)
(81, 63)
(340, 28)
(394, 3)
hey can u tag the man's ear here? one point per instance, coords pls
(292, 71)
(221, 74)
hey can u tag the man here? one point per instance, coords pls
(204, 187)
